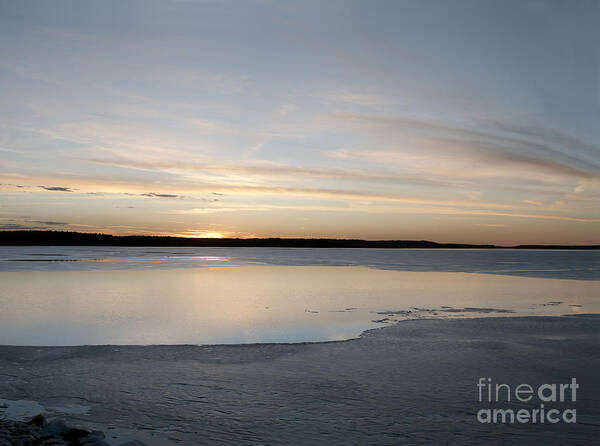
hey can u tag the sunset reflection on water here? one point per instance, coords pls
(259, 303)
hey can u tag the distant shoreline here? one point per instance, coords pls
(68, 238)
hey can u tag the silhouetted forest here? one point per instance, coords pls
(67, 238)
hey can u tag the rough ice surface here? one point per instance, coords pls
(410, 383)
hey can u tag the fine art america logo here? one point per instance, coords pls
(547, 398)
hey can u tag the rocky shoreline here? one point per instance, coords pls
(41, 432)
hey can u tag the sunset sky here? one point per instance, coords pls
(454, 121)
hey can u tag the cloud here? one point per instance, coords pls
(285, 110)
(533, 202)
(387, 209)
(268, 170)
(56, 188)
(154, 195)
(24, 223)
(360, 98)
(529, 147)
(132, 187)
(455, 160)
(22, 227)
(50, 223)
(176, 188)
(14, 226)
(564, 141)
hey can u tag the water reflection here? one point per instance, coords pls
(259, 304)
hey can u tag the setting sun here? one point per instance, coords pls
(201, 234)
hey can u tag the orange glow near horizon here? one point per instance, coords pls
(201, 234)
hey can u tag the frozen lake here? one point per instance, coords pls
(105, 295)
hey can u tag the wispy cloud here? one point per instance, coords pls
(51, 223)
(500, 143)
(274, 171)
(357, 97)
(15, 226)
(56, 188)
(182, 188)
(375, 210)
(25, 224)
(155, 195)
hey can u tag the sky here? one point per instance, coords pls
(455, 121)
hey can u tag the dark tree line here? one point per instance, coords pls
(67, 238)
